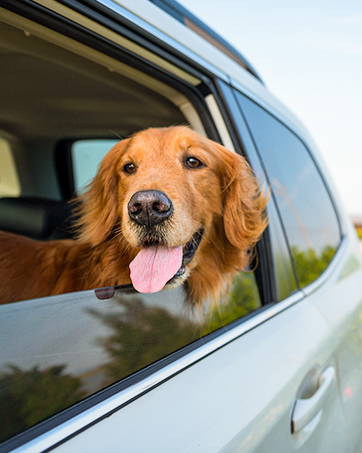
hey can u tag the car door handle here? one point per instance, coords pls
(306, 409)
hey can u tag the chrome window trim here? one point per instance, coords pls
(90, 416)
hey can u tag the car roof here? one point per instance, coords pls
(157, 18)
(192, 22)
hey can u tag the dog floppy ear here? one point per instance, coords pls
(98, 207)
(244, 203)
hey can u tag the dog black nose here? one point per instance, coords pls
(149, 207)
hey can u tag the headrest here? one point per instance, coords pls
(38, 218)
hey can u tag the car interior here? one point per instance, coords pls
(51, 97)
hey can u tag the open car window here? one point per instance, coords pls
(60, 350)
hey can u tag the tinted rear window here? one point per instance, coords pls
(308, 214)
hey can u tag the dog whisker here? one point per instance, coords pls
(115, 133)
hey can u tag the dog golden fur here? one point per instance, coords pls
(189, 209)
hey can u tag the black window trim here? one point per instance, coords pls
(265, 272)
(229, 91)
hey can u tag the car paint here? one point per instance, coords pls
(240, 398)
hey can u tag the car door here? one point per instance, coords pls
(238, 398)
(343, 312)
(233, 386)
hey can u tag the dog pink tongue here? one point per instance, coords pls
(154, 266)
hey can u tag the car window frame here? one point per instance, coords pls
(241, 132)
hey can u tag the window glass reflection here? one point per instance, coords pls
(58, 350)
(308, 214)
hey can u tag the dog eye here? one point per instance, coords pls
(129, 168)
(193, 162)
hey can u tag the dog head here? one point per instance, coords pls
(179, 201)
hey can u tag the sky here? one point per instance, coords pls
(309, 54)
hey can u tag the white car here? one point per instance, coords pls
(278, 366)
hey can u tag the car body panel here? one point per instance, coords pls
(343, 312)
(236, 399)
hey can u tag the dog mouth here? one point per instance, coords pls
(157, 265)
(188, 253)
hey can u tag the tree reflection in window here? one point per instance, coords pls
(27, 397)
(140, 333)
(140, 336)
(309, 264)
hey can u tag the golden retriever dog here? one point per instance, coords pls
(167, 206)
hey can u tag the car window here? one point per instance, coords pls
(86, 157)
(306, 209)
(58, 350)
(61, 349)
